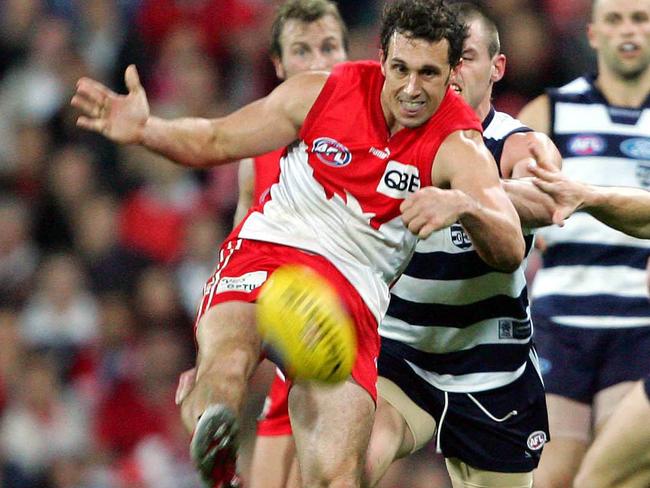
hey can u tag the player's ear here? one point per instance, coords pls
(279, 67)
(498, 67)
(591, 36)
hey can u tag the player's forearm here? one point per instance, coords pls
(496, 236)
(189, 142)
(534, 207)
(624, 209)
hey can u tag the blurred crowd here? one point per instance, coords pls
(104, 250)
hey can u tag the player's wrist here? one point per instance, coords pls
(467, 206)
(146, 136)
(591, 197)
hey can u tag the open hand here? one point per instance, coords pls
(568, 194)
(121, 118)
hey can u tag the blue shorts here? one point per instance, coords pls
(646, 385)
(578, 362)
(468, 433)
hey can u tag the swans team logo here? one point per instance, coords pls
(331, 152)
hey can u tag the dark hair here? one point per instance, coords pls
(305, 11)
(467, 12)
(431, 20)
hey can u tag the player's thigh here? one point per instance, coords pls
(606, 402)
(391, 436)
(273, 458)
(331, 426)
(570, 429)
(620, 455)
(464, 476)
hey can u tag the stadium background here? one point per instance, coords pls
(103, 250)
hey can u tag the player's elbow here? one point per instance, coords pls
(507, 256)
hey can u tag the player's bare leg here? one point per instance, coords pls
(228, 352)
(274, 463)
(570, 427)
(620, 455)
(391, 439)
(331, 426)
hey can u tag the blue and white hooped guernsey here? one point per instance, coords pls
(594, 276)
(461, 325)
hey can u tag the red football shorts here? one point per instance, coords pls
(274, 420)
(244, 265)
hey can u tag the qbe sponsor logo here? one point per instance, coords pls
(637, 147)
(399, 180)
(331, 152)
(245, 283)
(536, 440)
(587, 145)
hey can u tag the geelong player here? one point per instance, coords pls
(385, 152)
(457, 362)
(619, 456)
(590, 307)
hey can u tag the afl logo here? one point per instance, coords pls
(637, 148)
(331, 152)
(536, 440)
(587, 145)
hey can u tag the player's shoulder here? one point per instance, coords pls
(499, 125)
(454, 110)
(579, 90)
(357, 67)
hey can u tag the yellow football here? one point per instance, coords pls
(300, 315)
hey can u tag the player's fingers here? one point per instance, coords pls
(545, 186)
(539, 153)
(559, 217)
(416, 224)
(407, 204)
(90, 108)
(93, 90)
(542, 173)
(426, 230)
(132, 79)
(96, 125)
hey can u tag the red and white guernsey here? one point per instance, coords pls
(266, 169)
(342, 183)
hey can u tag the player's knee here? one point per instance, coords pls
(343, 474)
(386, 445)
(334, 480)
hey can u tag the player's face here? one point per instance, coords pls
(478, 71)
(417, 76)
(309, 46)
(620, 32)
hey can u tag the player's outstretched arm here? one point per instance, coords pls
(263, 125)
(622, 208)
(469, 190)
